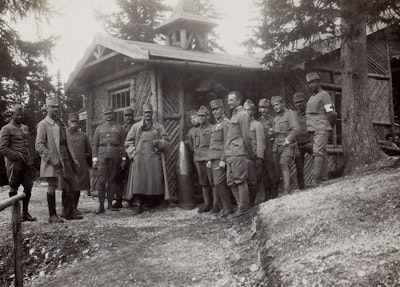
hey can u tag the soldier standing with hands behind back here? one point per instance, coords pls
(109, 157)
(16, 148)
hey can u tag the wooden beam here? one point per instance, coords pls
(99, 60)
(132, 70)
(181, 106)
(336, 71)
(153, 89)
(160, 106)
(183, 38)
(189, 40)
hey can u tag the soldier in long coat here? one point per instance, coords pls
(83, 151)
(144, 144)
(58, 160)
(16, 149)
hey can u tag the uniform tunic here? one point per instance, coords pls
(201, 146)
(238, 147)
(83, 151)
(15, 147)
(145, 173)
(216, 151)
(257, 137)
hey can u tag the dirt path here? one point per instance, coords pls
(165, 247)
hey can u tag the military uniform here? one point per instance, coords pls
(238, 151)
(200, 147)
(303, 140)
(16, 149)
(269, 179)
(83, 151)
(285, 129)
(216, 155)
(318, 124)
(108, 151)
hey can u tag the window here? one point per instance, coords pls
(120, 100)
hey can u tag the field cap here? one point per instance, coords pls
(218, 103)
(202, 111)
(298, 97)
(264, 103)
(107, 110)
(147, 107)
(312, 77)
(73, 116)
(277, 99)
(128, 111)
(249, 103)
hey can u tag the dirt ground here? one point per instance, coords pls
(164, 247)
(345, 233)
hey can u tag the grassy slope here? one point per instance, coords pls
(343, 234)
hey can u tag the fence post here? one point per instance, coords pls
(17, 236)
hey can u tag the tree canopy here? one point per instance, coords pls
(296, 30)
(24, 77)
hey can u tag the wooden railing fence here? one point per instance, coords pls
(15, 204)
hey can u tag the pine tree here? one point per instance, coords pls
(24, 77)
(135, 20)
(291, 32)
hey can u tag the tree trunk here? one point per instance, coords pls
(359, 143)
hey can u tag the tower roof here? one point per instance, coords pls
(186, 12)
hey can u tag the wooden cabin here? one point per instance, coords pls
(183, 74)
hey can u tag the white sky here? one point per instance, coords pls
(76, 26)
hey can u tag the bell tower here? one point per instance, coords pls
(187, 28)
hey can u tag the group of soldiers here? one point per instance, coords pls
(236, 156)
(242, 155)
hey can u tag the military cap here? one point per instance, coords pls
(192, 113)
(52, 101)
(107, 110)
(73, 116)
(277, 99)
(128, 111)
(16, 108)
(218, 103)
(311, 77)
(264, 103)
(298, 97)
(202, 111)
(249, 103)
(147, 107)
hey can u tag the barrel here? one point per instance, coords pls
(184, 172)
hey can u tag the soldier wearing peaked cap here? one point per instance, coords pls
(83, 151)
(267, 120)
(16, 149)
(303, 138)
(108, 157)
(285, 128)
(58, 160)
(201, 145)
(143, 145)
(238, 150)
(257, 137)
(122, 190)
(320, 117)
(217, 159)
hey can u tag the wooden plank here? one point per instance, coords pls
(153, 89)
(181, 107)
(10, 201)
(17, 238)
(160, 106)
(132, 70)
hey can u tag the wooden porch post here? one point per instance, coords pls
(153, 96)
(160, 106)
(181, 104)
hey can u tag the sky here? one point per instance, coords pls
(75, 27)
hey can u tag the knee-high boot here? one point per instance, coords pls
(207, 206)
(51, 203)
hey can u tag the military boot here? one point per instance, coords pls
(101, 208)
(252, 194)
(137, 205)
(317, 170)
(51, 203)
(286, 181)
(207, 206)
